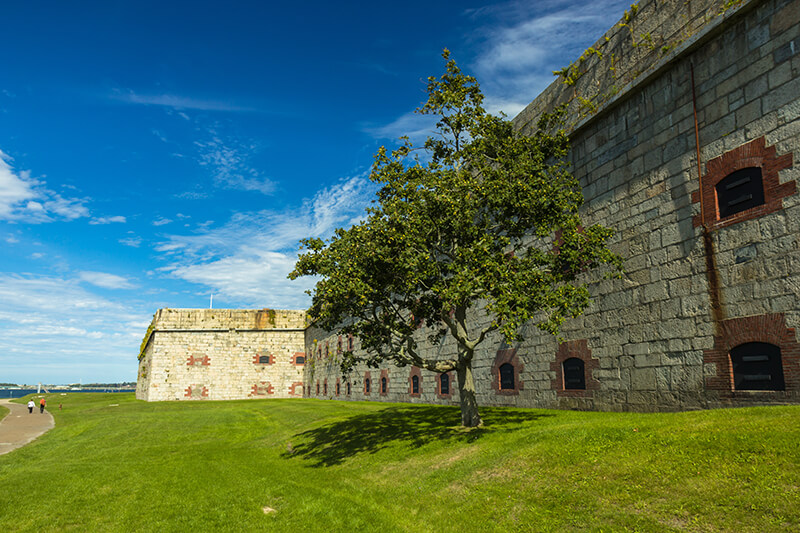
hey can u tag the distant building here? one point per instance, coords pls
(220, 354)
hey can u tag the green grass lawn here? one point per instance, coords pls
(116, 464)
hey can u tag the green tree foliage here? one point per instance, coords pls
(479, 222)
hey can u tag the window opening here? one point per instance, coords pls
(366, 385)
(317, 389)
(383, 385)
(757, 366)
(337, 389)
(300, 360)
(507, 376)
(444, 384)
(415, 384)
(348, 388)
(263, 359)
(574, 374)
(325, 388)
(740, 191)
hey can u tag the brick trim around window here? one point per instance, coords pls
(756, 153)
(258, 355)
(371, 384)
(296, 355)
(507, 355)
(384, 374)
(579, 349)
(415, 371)
(770, 328)
(196, 391)
(263, 388)
(439, 386)
(198, 360)
(293, 388)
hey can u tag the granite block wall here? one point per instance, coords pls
(222, 355)
(659, 338)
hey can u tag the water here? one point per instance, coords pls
(19, 393)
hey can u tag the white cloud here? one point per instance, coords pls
(246, 260)
(133, 242)
(522, 43)
(105, 280)
(11, 239)
(412, 125)
(176, 102)
(229, 163)
(25, 199)
(108, 220)
(161, 221)
(53, 330)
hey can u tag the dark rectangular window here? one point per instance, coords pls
(757, 366)
(740, 191)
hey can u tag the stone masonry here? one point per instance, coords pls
(216, 354)
(698, 284)
(701, 286)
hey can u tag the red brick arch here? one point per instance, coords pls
(770, 328)
(756, 153)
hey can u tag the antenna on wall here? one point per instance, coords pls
(211, 301)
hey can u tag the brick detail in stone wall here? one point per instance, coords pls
(367, 379)
(384, 375)
(197, 392)
(506, 355)
(296, 355)
(293, 388)
(450, 382)
(198, 360)
(263, 388)
(415, 371)
(338, 389)
(258, 355)
(770, 328)
(580, 349)
(753, 154)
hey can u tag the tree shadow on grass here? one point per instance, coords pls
(416, 426)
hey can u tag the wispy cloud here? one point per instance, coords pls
(412, 125)
(108, 220)
(133, 242)
(105, 280)
(229, 163)
(53, 328)
(177, 102)
(246, 260)
(161, 221)
(25, 199)
(522, 42)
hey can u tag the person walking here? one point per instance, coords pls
(42, 403)
(31, 405)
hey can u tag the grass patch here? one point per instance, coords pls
(332, 466)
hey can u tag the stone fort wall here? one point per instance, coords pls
(699, 284)
(661, 337)
(215, 354)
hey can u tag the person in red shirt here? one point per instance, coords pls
(42, 403)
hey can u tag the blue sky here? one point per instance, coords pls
(154, 153)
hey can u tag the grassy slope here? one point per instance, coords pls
(396, 467)
(3, 412)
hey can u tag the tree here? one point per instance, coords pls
(484, 223)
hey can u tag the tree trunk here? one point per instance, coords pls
(466, 390)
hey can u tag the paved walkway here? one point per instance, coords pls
(18, 428)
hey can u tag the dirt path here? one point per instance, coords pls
(18, 428)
